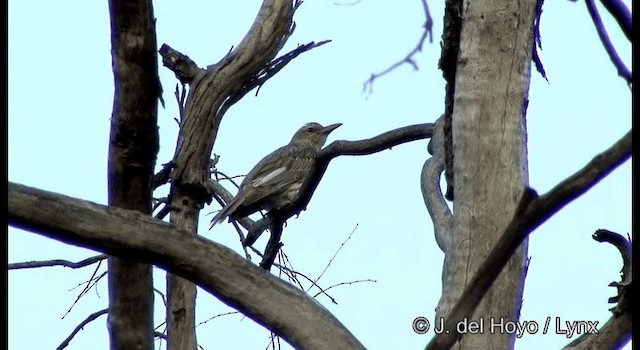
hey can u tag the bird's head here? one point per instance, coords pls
(313, 134)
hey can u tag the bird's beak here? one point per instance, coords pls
(329, 128)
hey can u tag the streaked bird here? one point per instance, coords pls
(280, 178)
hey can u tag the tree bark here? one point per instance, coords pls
(212, 91)
(490, 157)
(279, 306)
(133, 147)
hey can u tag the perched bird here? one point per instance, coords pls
(280, 178)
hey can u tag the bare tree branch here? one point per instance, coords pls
(617, 331)
(431, 192)
(164, 175)
(269, 71)
(56, 262)
(531, 213)
(378, 143)
(81, 326)
(621, 13)
(133, 149)
(333, 257)
(271, 302)
(93, 281)
(623, 71)
(624, 286)
(342, 284)
(216, 316)
(180, 64)
(211, 92)
(408, 59)
(371, 145)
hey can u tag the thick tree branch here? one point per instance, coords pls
(531, 213)
(213, 87)
(56, 262)
(273, 303)
(612, 335)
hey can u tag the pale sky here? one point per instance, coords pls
(60, 100)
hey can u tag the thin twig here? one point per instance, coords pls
(408, 59)
(345, 283)
(90, 283)
(241, 235)
(80, 326)
(216, 316)
(336, 254)
(164, 299)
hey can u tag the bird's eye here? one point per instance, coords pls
(310, 129)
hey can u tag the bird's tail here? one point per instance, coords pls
(224, 212)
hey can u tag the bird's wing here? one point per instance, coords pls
(275, 173)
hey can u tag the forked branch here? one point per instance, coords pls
(532, 211)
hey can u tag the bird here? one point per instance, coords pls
(278, 180)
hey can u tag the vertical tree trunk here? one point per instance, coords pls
(181, 294)
(133, 149)
(490, 157)
(208, 99)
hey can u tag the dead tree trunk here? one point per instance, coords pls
(212, 91)
(133, 147)
(489, 159)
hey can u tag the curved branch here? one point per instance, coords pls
(624, 286)
(81, 326)
(431, 191)
(56, 262)
(621, 13)
(623, 71)
(211, 91)
(271, 302)
(371, 145)
(531, 213)
(376, 144)
(617, 331)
